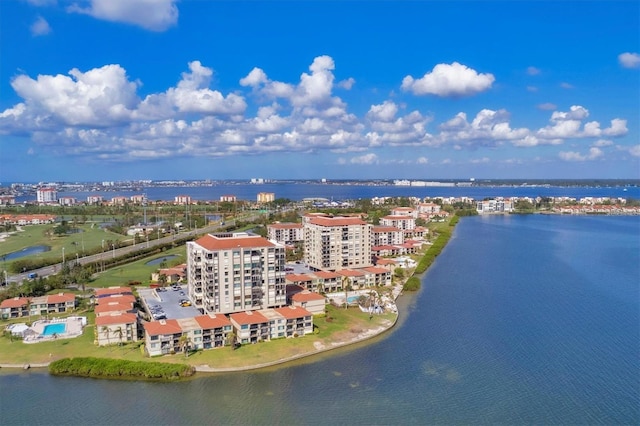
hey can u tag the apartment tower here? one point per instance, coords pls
(235, 273)
(333, 243)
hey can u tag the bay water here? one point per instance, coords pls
(521, 320)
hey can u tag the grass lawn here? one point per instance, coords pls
(17, 352)
(90, 237)
(138, 270)
(344, 325)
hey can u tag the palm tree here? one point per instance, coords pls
(185, 344)
(120, 333)
(107, 331)
(162, 280)
(346, 284)
(231, 339)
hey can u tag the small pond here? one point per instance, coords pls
(27, 251)
(160, 259)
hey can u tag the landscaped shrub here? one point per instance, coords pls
(429, 257)
(119, 369)
(412, 284)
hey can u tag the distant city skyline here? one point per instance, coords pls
(114, 90)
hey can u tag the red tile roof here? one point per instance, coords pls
(121, 298)
(293, 312)
(113, 307)
(306, 296)
(398, 217)
(156, 328)
(16, 302)
(350, 273)
(337, 221)
(113, 290)
(326, 274)
(211, 242)
(249, 317)
(374, 270)
(116, 319)
(298, 277)
(385, 229)
(61, 298)
(212, 321)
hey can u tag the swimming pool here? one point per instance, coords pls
(51, 329)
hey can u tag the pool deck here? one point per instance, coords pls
(73, 329)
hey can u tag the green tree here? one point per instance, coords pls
(346, 286)
(162, 280)
(231, 340)
(185, 344)
(107, 332)
(119, 334)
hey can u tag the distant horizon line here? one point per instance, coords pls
(259, 181)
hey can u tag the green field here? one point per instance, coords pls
(137, 271)
(90, 238)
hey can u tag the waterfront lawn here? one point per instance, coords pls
(345, 324)
(137, 271)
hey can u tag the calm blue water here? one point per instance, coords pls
(27, 251)
(159, 260)
(298, 191)
(51, 329)
(521, 320)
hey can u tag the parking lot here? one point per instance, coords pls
(166, 302)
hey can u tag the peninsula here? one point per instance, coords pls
(352, 311)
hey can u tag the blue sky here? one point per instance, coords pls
(95, 90)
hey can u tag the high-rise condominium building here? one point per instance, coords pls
(333, 243)
(46, 195)
(235, 273)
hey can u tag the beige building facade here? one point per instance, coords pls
(332, 243)
(235, 273)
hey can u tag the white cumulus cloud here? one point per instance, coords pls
(154, 15)
(347, 84)
(40, 27)
(629, 60)
(449, 80)
(593, 154)
(384, 112)
(99, 96)
(365, 159)
(191, 95)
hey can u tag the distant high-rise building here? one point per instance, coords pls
(266, 197)
(47, 195)
(182, 199)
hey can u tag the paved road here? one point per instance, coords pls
(117, 252)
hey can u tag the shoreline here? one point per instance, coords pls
(320, 348)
